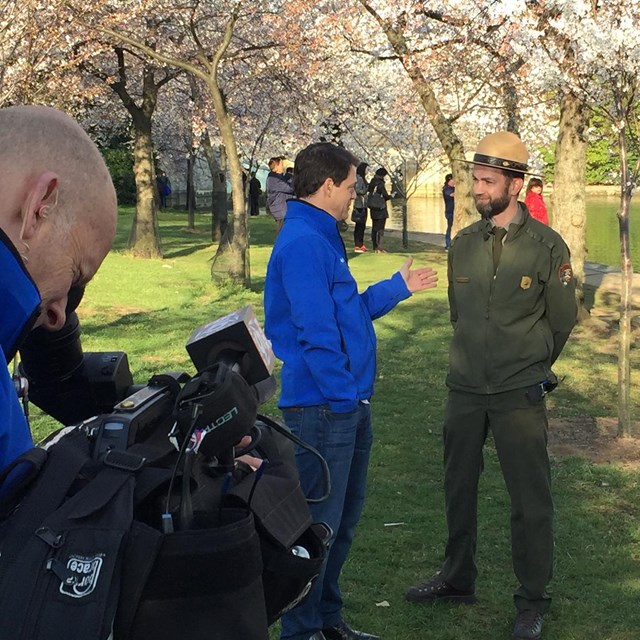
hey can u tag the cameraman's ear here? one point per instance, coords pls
(40, 199)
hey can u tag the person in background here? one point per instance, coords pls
(279, 190)
(322, 330)
(58, 218)
(535, 202)
(164, 188)
(377, 202)
(255, 189)
(359, 214)
(512, 306)
(449, 204)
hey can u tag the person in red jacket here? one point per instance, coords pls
(535, 202)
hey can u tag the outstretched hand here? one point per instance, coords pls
(418, 279)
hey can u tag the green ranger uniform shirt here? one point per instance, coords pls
(508, 329)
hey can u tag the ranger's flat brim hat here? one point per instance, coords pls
(502, 150)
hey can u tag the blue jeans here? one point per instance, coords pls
(344, 440)
(447, 235)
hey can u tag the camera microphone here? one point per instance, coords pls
(238, 341)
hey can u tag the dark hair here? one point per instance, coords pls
(362, 167)
(317, 162)
(448, 177)
(274, 161)
(533, 182)
(382, 172)
(513, 174)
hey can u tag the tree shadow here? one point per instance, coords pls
(180, 251)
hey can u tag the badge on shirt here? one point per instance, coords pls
(525, 282)
(565, 273)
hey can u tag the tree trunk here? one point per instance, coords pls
(218, 187)
(511, 102)
(626, 268)
(465, 211)
(568, 199)
(144, 238)
(191, 191)
(235, 249)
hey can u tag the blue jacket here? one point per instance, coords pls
(449, 202)
(319, 325)
(20, 301)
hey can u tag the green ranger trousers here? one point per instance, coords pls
(518, 422)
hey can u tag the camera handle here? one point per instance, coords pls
(283, 431)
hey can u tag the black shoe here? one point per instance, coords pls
(437, 590)
(342, 631)
(528, 625)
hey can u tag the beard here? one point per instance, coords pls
(492, 207)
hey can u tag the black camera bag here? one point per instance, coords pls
(278, 508)
(201, 584)
(64, 527)
(83, 555)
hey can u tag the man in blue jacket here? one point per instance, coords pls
(57, 221)
(322, 330)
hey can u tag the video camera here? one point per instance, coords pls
(215, 408)
(174, 440)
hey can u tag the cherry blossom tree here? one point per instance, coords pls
(51, 57)
(497, 54)
(397, 23)
(137, 83)
(28, 43)
(213, 42)
(468, 78)
(592, 54)
(606, 75)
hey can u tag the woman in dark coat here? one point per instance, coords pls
(377, 203)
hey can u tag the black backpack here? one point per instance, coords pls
(88, 550)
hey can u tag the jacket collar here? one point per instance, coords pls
(19, 297)
(515, 226)
(319, 220)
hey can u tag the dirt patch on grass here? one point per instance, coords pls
(594, 439)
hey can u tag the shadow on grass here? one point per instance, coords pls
(179, 251)
(257, 284)
(597, 581)
(175, 239)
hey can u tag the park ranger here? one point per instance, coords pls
(512, 304)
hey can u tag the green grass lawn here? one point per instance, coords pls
(149, 308)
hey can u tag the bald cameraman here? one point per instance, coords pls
(57, 222)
